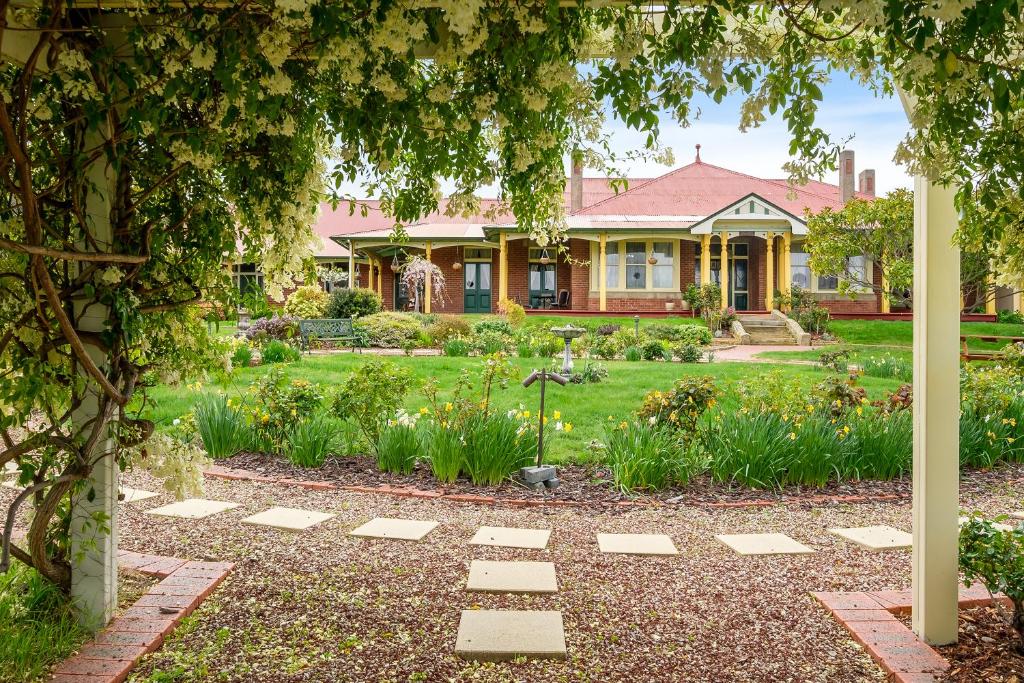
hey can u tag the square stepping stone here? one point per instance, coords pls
(511, 537)
(498, 635)
(193, 508)
(1017, 515)
(636, 544)
(401, 529)
(763, 544)
(875, 537)
(289, 519)
(512, 577)
(133, 495)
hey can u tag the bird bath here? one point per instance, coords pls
(568, 333)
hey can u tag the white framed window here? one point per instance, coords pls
(476, 254)
(857, 267)
(800, 269)
(247, 278)
(627, 265)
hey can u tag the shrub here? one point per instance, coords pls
(838, 394)
(494, 325)
(445, 327)
(309, 441)
(242, 356)
(644, 457)
(633, 353)
(682, 406)
(524, 348)
(996, 559)
(836, 361)
(399, 444)
(280, 328)
(607, 330)
(488, 341)
(1012, 356)
(220, 425)
(308, 301)
(1011, 317)
(353, 303)
(665, 332)
(496, 446)
(547, 345)
(280, 405)
(371, 394)
(652, 349)
(896, 401)
(592, 373)
(278, 352)
(771, 392)
(686, 353)
(888, 366)
(512, 312)
(389, 330)
(456, 347)
(606, 347)
(627, 338)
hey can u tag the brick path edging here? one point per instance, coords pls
(870, 619)
(233, 474)
(141, 629)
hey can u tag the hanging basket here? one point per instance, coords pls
(456, 266)
(395, 266)
(544, 260)
(652, 259)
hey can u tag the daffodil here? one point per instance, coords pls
(448, 407)
(568, 426)
(557, 415)
(792, 436)
(424, 410)
(526, 414)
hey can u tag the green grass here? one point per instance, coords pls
(38, 628)
(587, 407)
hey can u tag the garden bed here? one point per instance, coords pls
(986, 650)
(592, 484)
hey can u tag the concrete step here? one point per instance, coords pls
(767, 324)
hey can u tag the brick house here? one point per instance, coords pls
(632, 251)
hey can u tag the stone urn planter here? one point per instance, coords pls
(568, 333)
(243, 319)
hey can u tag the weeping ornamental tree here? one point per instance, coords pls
(137, 146)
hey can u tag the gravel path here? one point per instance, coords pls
(322, 606)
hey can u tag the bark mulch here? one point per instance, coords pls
(592, 483)
(988, 649)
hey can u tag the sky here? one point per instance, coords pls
(876, 125)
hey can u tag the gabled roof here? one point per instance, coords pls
(702, 189)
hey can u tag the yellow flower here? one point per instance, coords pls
(568, 426)
(229, 403)
(810, 408)
(610, 418)
(448, 407)
(424, 410)
(526, 414)
(860, 411)
(864, 401)
(712, 403)
(623, 426)
(558, 415)
(792, 436)
(266, 418)
(672, 416)
(545, 419)
(293, 412)
(846, 429)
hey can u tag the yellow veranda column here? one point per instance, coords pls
(371, 281)
(705, 260)
(380, 277)
(786, 281)
(502, 266)
(724, 277)
(886, 307)
(428, 285)
(769, 278)
(602, 274)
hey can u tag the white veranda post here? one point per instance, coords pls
(94, 506)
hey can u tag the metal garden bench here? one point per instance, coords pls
(326, 329)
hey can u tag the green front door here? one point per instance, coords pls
(477, 288)
(542, 285)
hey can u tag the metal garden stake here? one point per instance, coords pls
(543, 375)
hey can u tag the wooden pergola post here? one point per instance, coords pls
(769, 279)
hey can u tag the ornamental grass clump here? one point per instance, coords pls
(497, 444)
(221, 425)
(889, 366)
(399, 444)
(644, 457)
(444, 447)
(884, 445)
(308, 443)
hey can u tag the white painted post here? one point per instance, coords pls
(935, 579)
(94, 507)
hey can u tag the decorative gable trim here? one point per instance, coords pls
(754, 211)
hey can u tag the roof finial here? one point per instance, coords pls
(698, 153)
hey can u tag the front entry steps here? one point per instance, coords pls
(767, 330)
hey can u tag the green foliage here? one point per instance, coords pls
(399, 444)
(308, 301)
(524, 349)
(836, 236)
(633, 353)
(1010, 317)
(221, 425)
(255, 302)
(502, 327)
(456, 347)
(606, 347)
(1012, 356)
(547, 345)
(888, 366)
(996, 559)
(496, 446)
(836, 395)
(353, 303)
(590, 373)
(276, 351)
(279, 405)
(771, 391)
(836, 361)
(802, 307)
(489, 340)
(371, 394)
(685, 352)
(445, 327)
(652, 349)
(641, 457)
(682, 406)
(308, 442)
(512, 312)
(389, 330)
(707, 299)
(38, 625)
(242, 356)
(883, 445)
(444, 448)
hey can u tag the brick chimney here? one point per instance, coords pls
(846, 174)
(866, 182)
(576, 183)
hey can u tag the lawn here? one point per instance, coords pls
(587, 407)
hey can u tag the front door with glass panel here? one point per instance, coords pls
(542, 284)
(739, 293)
(477, 287)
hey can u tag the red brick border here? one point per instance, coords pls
(232, 474)
(870, 619)
(115, 650)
